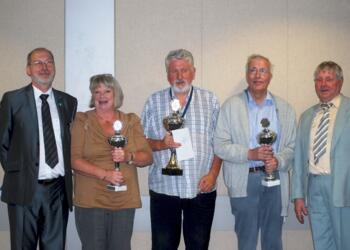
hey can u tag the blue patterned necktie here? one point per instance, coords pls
(320, 141)
(51, 156)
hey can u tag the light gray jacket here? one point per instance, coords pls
(231, 144)
(339, 155)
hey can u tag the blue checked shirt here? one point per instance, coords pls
(200, 119)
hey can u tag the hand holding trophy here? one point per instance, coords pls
(268, 137)
(172, 122)
(119, 141)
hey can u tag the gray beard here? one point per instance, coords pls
(46, 83)
(183, 90)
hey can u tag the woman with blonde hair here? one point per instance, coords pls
(104, 217)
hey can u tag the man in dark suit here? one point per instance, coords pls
(35, 156)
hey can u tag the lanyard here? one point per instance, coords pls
(187, 104)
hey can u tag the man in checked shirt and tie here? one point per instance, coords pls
(321, 176)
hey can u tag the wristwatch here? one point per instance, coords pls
(132, 157)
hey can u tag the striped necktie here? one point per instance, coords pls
(51, 156)
(320, 139)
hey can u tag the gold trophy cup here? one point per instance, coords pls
(172, 122)
(268, 137)
(119, 141)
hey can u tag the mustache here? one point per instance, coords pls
(179, 81)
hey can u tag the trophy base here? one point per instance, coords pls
(115, 188)
(270, 183)
(172, 171)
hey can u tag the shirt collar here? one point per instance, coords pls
(335, 101)
(38, 92)
(267, 102)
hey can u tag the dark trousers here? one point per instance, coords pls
(104, 229)
(168, 213)
(44, 220)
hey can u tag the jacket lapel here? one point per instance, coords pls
(30, 101)
(307, 127)
(31, 119)
(341, 120)
(61, 111)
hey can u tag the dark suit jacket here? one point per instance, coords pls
(19, 142)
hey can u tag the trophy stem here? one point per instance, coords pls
(117, 166)
(172, 161)
(118, 187)
(172, 168)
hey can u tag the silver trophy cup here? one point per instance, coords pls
(268, 137)
(117, 140)
(172, 122)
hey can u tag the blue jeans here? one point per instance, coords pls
(166, 219)
(259, 211)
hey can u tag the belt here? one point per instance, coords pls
(49, 181)
(257, 169)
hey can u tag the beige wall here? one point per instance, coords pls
(25, 25)
(221, 34)
(296, 36)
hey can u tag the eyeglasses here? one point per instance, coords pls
(262, 71)
(326, 80)
(41, 64)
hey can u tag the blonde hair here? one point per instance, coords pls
(110, 82)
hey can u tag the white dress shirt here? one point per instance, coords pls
(323, 166)
(45, 171)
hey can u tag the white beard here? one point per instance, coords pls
(184, 89)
